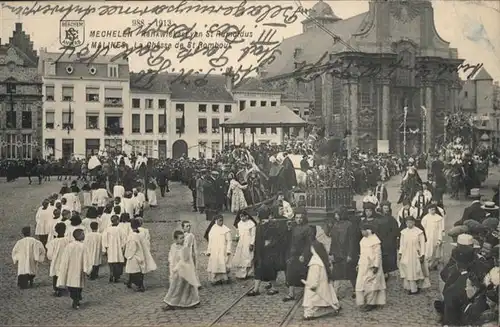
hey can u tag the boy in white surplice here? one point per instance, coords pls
(219, 251)
(243, 255)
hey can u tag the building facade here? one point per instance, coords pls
(365, 70)
(85, 106)
(20, 98)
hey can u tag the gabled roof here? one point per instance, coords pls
(185, 88)
(253, 84)
(483, 75)
(265, 117)
(71, 58)
(313, 44)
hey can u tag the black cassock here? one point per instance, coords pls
(268, 260)
(300, 245)
(388, 233)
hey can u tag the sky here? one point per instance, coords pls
(470, 26)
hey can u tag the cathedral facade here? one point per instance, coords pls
(384, 77)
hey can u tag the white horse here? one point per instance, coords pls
(300, 175)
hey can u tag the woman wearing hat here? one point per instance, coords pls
(412, 264)
(370, 282)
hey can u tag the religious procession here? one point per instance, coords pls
(294, 212)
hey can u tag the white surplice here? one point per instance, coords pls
(93, 248)
(433, 225)
(118, 191)
(100, 197)
(129, 205)
(55, 250)
(27, 253)
(219, 246)
(126, 229)
(52, 233)
(105, 222)
(152, 198)
(70, 229)
(139, 258)
(113, 243)
(324, 294)
(86, 224)
(242, 258)
(44, 221)
(411, 248)
(144, 233)
(190, 243)
(370, 287)
(73, 267)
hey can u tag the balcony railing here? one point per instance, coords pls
(113, 102)
(67, 125)
(113, 131)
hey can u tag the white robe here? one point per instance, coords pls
(44, 222)
(370, 287)
(411, 248)
(139, 258)
(190, 242)
(113, 243)
(53, 233)
(324, 295)
(93, 248)
(219, 245)
(434, 231)
(86, 224)
(105, 222)
(152, 198)
(100, 197)
(27, 253)
(70, 229)
(403, 213)
(87, 198)
(55, 250)
(125, 229)
(70, 201)
(118, 191)
(235, 193)
(129, 205)
(144, 233)
(243, 257)
(73, 267)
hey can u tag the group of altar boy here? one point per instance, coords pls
(362, 249)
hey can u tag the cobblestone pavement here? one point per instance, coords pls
(114, 304)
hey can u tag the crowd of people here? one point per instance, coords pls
(273, 235)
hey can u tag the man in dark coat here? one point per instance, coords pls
(388, 233)
(289, 176)
(210, 195)
(162, 181)
(304, 164)
(474, 212)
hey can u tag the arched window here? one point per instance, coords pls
(406, 68)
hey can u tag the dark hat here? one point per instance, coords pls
(263, 212)
(410, 217)
(385, 203)
(369, 205)
(490, 223)
(463, 255)
(26, 230)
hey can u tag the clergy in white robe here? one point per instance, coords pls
(319, 292)
(129, 204)
(105, 219)
(412, 264)
(93, 249)
(55, 250)
(242, 261)
(190, 241)
(140, 200)
(433, 225)
(27, 253)
(44, 223)
(75, 223)
(370, 281)
(144, 232)
(70, 201)
(91, 217)
(405, 212)
(118, 191)
(139, 258)
(73, 268)
(151, 193)
(113, 244)
(183, 287)
(219, 251)
(55, 220)
(100, 197)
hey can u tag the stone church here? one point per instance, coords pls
(366, 71)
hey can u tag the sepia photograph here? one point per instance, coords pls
(287, 163)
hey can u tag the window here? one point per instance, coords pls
(112, 70)
(136, 103)
(148, 148)
(67, 93)
(306, 112)
(273, 103)
(263, 130)
(202, 125)
(242, 131)
(202, 108)
(136, 123)
(113, 145)
(162, 149)
(242, 105)
(178, 126)
(144, 147)
(162, 124)
(113, 98)
(50, 145)
(148, 124)
(27, 147)
(215, 148)
(92, 121)
(162, 104)
(113, 121)
(274, 130)
(11, 146)
(215, 126)
(11, 88)
(26, 119)
(202, 149)
(67, 120)
(253, 103)
(49, 119)
(286, 131)
(92, 147)
(228, 108)
(295, 131)
(215, 108)
(179, 107)
(466, 94)
(11, 117)
(149, 103)
(68, 148)
(50, 67)
(263, 103)
(252, 130)
(49, 93)
(92, 94)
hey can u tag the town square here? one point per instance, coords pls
(335, 165)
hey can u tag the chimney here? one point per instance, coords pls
(229, 79)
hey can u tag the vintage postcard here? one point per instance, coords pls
(260, 163)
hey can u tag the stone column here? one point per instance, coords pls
(353, 106)
(386, 120)
(428, 117)
(327, 102)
